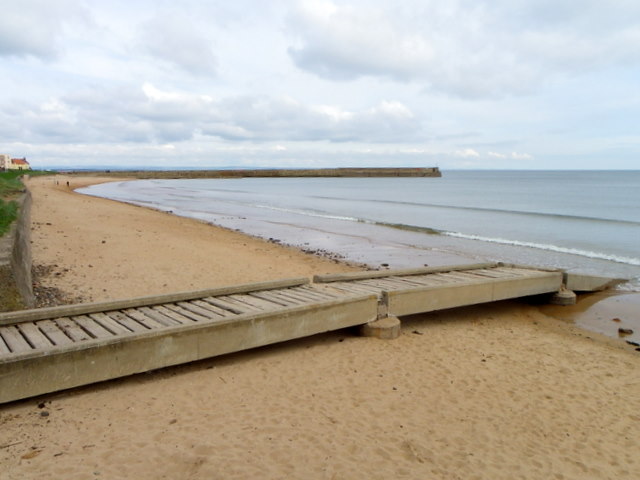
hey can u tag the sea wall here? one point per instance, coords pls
(275, 173)
(16, 287)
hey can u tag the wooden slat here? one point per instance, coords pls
(208, 314)
(126, 321)
(468, 276)
(446, 279)
(170, 313)
(322, 293)
(110, 324)
(288, 295)
(143, 319)
(260, 303)
(54, 333)
(231, 306)
(386, 284)
(273, 296)
(34, 335)
(14, 340)
(356, 288)
(186, 313)
(213, 308)
(72, 329)
(94, 328)
(495, 273)
(309, 296)
(411, 281)
(159, 317)
(3, 347)
(430, 280)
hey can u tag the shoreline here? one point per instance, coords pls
(353, 247)
(493, 391)
(253, 207)
(122, 251)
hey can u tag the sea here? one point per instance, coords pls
(581, 221)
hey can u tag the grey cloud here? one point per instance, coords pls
(467, 49)
(285, 119)
(151, 115)
(174, 38)
(34, 27)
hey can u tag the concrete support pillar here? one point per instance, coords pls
(563, 297)
(386, 328)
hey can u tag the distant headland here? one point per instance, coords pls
(239, 173)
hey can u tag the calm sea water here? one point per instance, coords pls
(584, 221)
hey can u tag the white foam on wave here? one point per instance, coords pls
(307, 213)
(549, 247)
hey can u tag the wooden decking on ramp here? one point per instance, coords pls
(51, 349)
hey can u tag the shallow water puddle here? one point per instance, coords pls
(613, 314)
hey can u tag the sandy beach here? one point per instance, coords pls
(501, 391)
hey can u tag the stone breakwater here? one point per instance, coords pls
(274, 173)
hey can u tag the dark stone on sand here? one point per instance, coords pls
(44, 413)
(625, 331)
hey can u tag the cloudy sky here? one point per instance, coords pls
(305, 83)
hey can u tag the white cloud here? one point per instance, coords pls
(466, 153)
(496, 155)
(521, 156)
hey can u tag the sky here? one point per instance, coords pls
(458, 84)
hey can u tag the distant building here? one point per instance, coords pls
(7, 163)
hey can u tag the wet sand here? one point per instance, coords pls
(611, 313)
(498, 391)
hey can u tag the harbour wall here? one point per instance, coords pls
(272, 173)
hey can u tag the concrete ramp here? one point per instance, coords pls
(406, 292)
(51, 349)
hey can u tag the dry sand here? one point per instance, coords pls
(500, 391)
(103, 250)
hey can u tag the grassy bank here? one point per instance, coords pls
(10, 186)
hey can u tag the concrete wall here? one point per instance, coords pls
(16, 286)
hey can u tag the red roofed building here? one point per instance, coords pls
(19, 164)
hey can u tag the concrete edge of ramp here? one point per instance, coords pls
(37, 373)
(11, 318)
(427, 299)
(590, 283)
(349, 276)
